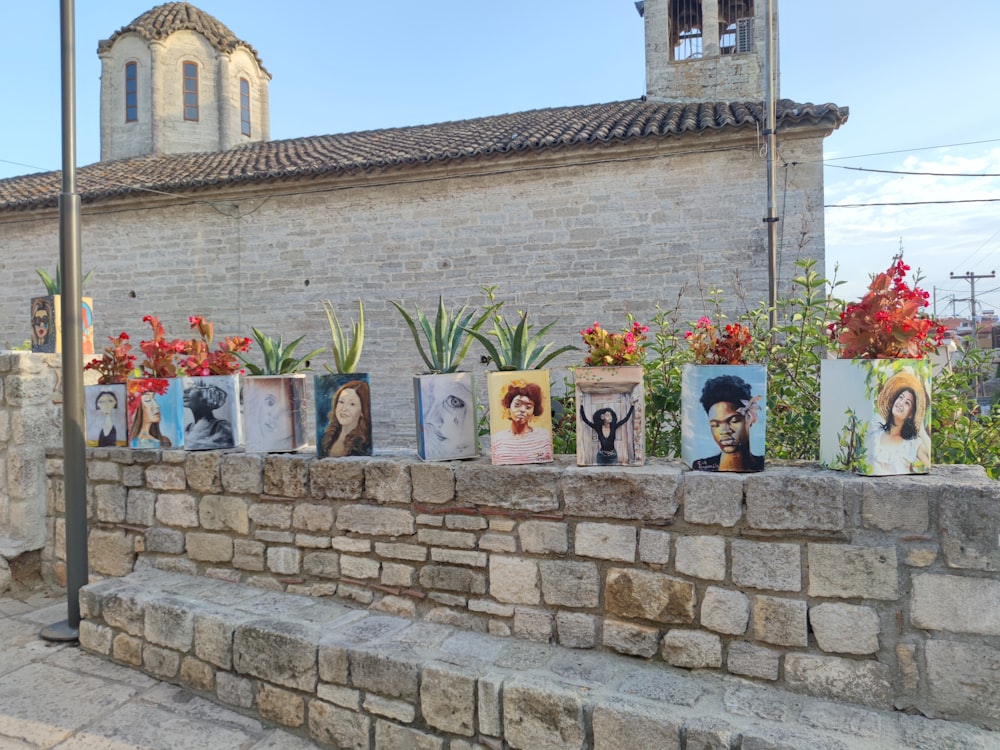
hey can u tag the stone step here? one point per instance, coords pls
(347, 677)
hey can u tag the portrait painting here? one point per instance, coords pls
(446, 416)
(211, 412)
(105, 415)
(343, 415)
(723, 417)
(275, 411)
(156, 413)
(43, 324)
(520, 417)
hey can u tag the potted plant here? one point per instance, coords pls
(46, 313)
(274, 395)
(520, 390)
(444, 398)
(609, 388)
(210, 381)
(105, 403)
(723, 398)
(875, 397)
(343, 396)
(156, 393)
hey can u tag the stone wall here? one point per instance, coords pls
(881, 592)
(30, 420)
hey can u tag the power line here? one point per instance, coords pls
(910, 203)
(909, 150)
(919, 174)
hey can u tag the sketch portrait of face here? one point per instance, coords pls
(269, 423)
(448, 417)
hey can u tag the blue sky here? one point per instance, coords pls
(920, 85)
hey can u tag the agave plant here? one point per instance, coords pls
(278, 358)
(53, 284)
(448, 339)
(346, 350)
(515, 347)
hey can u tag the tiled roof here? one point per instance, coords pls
(163, 20)
(350, 153)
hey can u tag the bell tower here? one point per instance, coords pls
(708, 50)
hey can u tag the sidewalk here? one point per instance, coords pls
(56, 696)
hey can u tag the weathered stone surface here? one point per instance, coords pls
(767, 565)
(631, 638)
(970, 528)
(174, 509)
(388, 481)
(204, 471)
(224, 513)
(786, 500)
(701, 557)
(390, 708)
(197, 675)
(568, 583)
(165, 477)
(161, 662)
(376, 520)
(459, 556)
(514, 487)
(271, 515)
(389, 736)
(620, 726)
(284, 560)
(242, 473)
(905, 509)
(753, 661)
(845, 628)
(110, 552)
(713, 499)
(412, 552)
(452, 578)
(280, 706)
(276, 651)
(337, 726)
(865, 682)
(514, 580)
(848, 571)
(532, 624)
(691, 649)
(234, 690)
(170, 623)
(649, 596)
(542, 717)
(169, 541)
(392, 673)
(956, 604)
(649, 493)
(110, 501)
(448, 699)
(725, 611)
(576, 629)
(343, 479)
(209, 547)
(654, 546)
(140, 507)
(432, 483)
(543, 537)
(964, 680)
(286, 476)
(780, 621)
(442, 538)
(606, 541)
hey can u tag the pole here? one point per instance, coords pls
(74, 446)
(770, 135)
(971, 278)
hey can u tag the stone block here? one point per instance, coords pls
(650, 493)
(606, 541)
(213, 638)
(224, 513)
(441, 538)
(448, 699)
(725, 611)
(542, 717)
(701, 557)
(280, 706)
(432, 483)
(970, 527)
(387, 481)
(242, 473)
(203, 470)
(168, 541)
(175, 509)
(110, 552)
(140, 507)
(375, 520)
(161, 662)
(412, 552)
(340, 727)
(452, 578)
(638, 594)
(95, 637)
(964, 681)
(389, 736)
(338, 695)
(532, 624)
(691, 649)
(792, 500)
(284, 560)
(248, 555)
(543, 537)
(751, 660)
(124, 611)
(197, 675)
(209, 547)
(488, 705)
(514, 580)
(234, 690)
(771, 566)
(836, 678)
(576, 629)
(848, 571)
(394, 574)
(389, 672)
(390, 708)
(110, 502)
(459, 557)
(631, 638)
(103, 471)
(271, 515)
(127, 649)
(845, 628)
(956, 604)
(570, 584)
(497, 543)
(714, 499)
(621, 726)
(286, 475)
(906, 508)
(170, 623)
(532, 488)
(359, 567)
(457, 521)
(276, 651)
(337, 480)
(165, 477)
(782, 622)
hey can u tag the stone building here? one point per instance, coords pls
(575, 213)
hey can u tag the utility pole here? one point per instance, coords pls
(771, 141)
(971, 278)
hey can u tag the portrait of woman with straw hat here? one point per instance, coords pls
(900, 444)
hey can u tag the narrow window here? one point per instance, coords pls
(131, 92)
(685, 29)
(735, 26)
(191, 91)
(244, 106)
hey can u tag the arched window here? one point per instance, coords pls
(244, 106)
(131, 92)
(191, 91)
(685, 29)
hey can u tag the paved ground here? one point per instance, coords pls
(55, 696)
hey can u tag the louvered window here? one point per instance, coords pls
(244, 106)
(736, 26)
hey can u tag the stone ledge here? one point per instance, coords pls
(347, 677)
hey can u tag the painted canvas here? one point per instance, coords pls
(275, 409)
(875, 415)
(520, 417)
(343, 415)
(46, 323)
(156, 413)
(212, 418)
(723, 417)
(105, 415)
(610, 419)
(445, 408)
